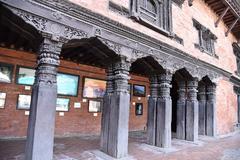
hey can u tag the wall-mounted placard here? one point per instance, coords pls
(2, 99)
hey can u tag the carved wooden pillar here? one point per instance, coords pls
(164, 112)
(114, 141)
(202, 109)
(211, 110)
(152, 103)
(181, 111)
(40, 135)
(106, 109)
(192, 111)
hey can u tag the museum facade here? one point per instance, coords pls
(170, 68)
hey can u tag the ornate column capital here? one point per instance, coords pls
(202, 93)
(211, 92)
(165, 85)
(121, 75)
(47, 61)
(182, 90)
(153, 86)
(192, 89)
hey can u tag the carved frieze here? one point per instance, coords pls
(38, 22)
(167, 56)
(72, 33)
(112, 46)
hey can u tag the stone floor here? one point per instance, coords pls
(87, 148)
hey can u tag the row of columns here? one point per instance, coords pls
(193, 116)
(160, 111)
(115, 115)
(41, 124)
(207, 110)
(187, 111)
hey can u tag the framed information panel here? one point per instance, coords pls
(2, 99)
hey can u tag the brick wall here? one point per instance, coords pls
(183, 27)
(13, 122)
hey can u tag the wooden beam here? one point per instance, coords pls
(222, 15)
(231, 27)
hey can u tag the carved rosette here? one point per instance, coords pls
(182, 91)
(153, 86)
(48, 60)
(211, 92)
(192, 86)
(121, 76)
(202, 93)
(165, 85)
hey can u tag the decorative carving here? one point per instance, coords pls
(154, 86)
(57, 15)
(112, 45)
(165, 85)
(98, 32)
(192, 89)
(143, 42)
(211, 93)
(192, 69)
(72, 33)
(135, 36)
(136, 54)
(38, 22)
(48, 60)
(121, 76)
(182, 91)
(202, 93)
(110, 80)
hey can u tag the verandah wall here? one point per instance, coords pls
(13, 122)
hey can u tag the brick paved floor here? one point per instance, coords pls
(81, 148)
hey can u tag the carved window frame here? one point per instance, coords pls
(236, 50)
(161, 23)
(206, 39)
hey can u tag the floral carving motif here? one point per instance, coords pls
(113, 46)
(74, 33)
(38, 22)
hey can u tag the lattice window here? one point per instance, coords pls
(206, 39)
(156, 14)
(236, 50)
